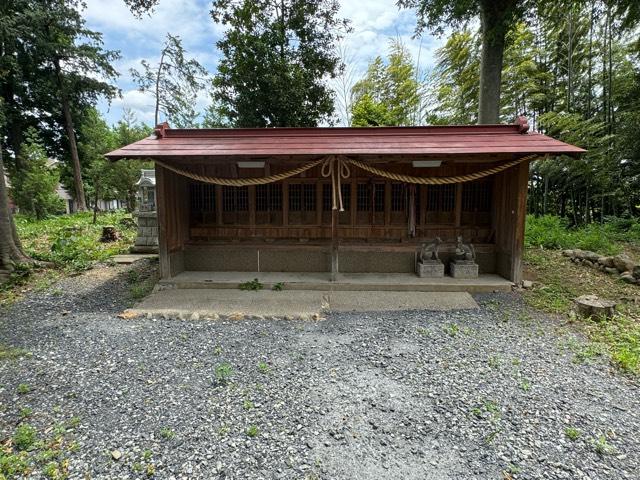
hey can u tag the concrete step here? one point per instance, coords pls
(345, 282)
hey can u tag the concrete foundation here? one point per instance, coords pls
(395, 282)
(464, 270)
(430, 269)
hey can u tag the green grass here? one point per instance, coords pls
(559, 282)
(572, 433)
(223, 373)
(10, 353)
(252, 431)
(37, 453)
(72, 242)
(554, 233)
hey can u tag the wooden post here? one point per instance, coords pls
(520, 179)
(334, 245)
(285, 203)
(219, 205)
(458, 205)
(161, 206)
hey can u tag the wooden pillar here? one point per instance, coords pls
(520, 179)
(219, 205)
(458, 205)
(334, 245)
(161, 207)
(510, 211)
(285, 203)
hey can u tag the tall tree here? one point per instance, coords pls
(388, 93)
(10, 247)
(496, 17)
(174, 82)
(276, 58)
(73, 68)
(454, 83)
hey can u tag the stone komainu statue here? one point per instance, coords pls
(429, 251)
(464, 252)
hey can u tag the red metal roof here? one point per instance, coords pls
(273, 142)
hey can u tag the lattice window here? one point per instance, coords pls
(398, 197)
(364, 198)
(269, 197)
(370, 196)
(302, 197)
(235, 199)
(202, 197)
(476, 197)
(378, 197)
(441, 198)
(327, 199)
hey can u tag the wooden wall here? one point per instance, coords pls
(387, 224)
(510, 209)
(172, 201)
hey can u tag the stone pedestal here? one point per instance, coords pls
(430, 269)
(464, 269)
(147, 238)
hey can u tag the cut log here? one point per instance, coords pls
(109, 234)
(593, 306)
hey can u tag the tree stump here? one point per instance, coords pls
(592, 306)
(109, 234)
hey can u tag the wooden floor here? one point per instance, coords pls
(345, 282)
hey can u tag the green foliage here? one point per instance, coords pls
(560, 282)
(174, 83)
(23, 389)
(264, 368)
(8, 353)
(71, 242)
(279, 286)
(276, 57)
(33, 188)
(602, 446)
(252, 431)
(252, 285)
(223, 373)
(553, 232)
(388, 94)
(167, 434)
(454, 84)
(25, 436)
(572, 433)
(30, 453)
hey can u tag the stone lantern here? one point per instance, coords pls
(147, 238)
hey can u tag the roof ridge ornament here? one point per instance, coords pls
(522, 123)
(160, 129)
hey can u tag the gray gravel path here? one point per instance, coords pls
(483, 394)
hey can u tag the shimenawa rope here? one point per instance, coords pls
(337, 167)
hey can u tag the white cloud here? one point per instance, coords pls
(373, 23)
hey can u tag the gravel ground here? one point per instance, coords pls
(486, 394)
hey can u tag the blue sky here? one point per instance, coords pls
(373, 22)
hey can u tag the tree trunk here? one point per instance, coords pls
(158, 76)
(73, 147)
(494, 17)
(10, 247)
